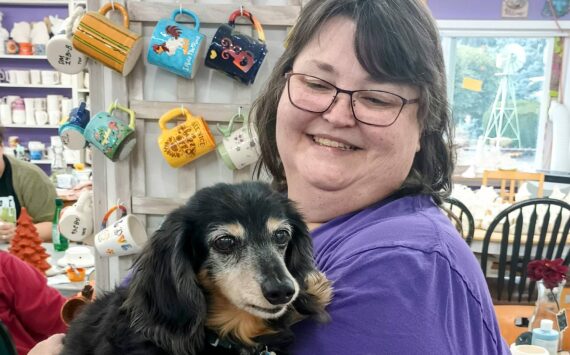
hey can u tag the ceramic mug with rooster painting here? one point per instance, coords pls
(110, 134)
(175, 47)
(235, 53)
(186, 141)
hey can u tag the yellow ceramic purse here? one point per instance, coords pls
(185, 142)
(115, 46)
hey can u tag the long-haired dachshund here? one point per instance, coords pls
(227, 273)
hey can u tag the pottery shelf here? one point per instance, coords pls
(38, 86)
(17, 56)
(36, 2)
(14, 125)
(43, 161)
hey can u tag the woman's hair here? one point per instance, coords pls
(395, 41)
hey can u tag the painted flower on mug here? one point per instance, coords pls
(551, 272)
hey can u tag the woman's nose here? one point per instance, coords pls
(340, 112)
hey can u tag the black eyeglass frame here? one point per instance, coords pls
(349, 93)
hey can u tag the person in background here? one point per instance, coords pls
(355, 128)
(29, 308)
(23, 184)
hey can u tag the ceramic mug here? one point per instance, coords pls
(115, 46)
(175, 47)
(111, 135)
(185, 142)
(22, 77)
(76, 221)
(72, 130)
(60, 51)
(124, 237)
(235, 53)
(50, 77)
(239, 148)
(41, 117)
(35, 77)
(5, 113)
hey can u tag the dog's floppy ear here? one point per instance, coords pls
(315, 290)
(164, 300)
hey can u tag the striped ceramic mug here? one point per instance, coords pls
(114, 46)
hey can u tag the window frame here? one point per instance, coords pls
(451, 29)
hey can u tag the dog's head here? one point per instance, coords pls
(231, 250)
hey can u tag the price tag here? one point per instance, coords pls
(562, 320)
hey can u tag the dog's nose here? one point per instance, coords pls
(278, 292)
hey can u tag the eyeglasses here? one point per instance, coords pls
(372, 107)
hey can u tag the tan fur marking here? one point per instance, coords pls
(274, 224)
(227, 319)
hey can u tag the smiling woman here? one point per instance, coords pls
(354, 127)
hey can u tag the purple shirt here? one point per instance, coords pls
(404, 283)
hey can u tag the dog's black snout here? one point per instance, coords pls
(278, 292)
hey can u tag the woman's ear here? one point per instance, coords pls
(164, 300)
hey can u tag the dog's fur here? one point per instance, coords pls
(207, 272)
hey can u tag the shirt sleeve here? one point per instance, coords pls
(399, 301)
(36, 305)
(37, 195)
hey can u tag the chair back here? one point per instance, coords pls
(512, 177)
(461, 217)
(528, 230)
(7, 346)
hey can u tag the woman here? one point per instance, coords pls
(354, 127)
(29, 308)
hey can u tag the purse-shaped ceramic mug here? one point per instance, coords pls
(113, 45)
(177, 48)
(110, 134)
(72, 130)
(124, 237)
(235, 53)
(59, 49)
(186, 141)
(239, 148)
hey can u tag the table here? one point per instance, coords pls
(60, 281)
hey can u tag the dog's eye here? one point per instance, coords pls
(282, 237)
(225, 244)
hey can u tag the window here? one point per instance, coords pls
(498, 88)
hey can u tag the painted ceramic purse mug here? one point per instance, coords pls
(235, 53)
(113, 45)
(110, 134)
(124, 237)
(239, 148)
(72, 131)
(60, 52)
(177, 48)
(186, 141)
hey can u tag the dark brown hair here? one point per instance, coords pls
(395, 41)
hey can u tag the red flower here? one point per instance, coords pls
(551, 272)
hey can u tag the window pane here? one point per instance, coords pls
(496, 95)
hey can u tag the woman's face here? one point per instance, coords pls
(330, 158)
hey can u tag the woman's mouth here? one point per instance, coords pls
(325, 142)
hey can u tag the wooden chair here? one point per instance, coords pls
(525, 240)
(461, 217)
(507, 193)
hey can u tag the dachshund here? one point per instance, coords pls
(227, 273)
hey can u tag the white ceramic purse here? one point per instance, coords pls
(60, 52)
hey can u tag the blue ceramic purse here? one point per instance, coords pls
(235, 53)
(175, 47)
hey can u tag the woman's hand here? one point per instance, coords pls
(7, 231)
(51, 346)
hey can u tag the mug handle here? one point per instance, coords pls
(110, 211)
(250, 17)
(172, 114)
(116, 106)
(79, 11)
(112, 5)
(183, 11)
(237, 118)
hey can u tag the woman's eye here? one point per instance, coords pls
(282, 237)
(225, 244)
